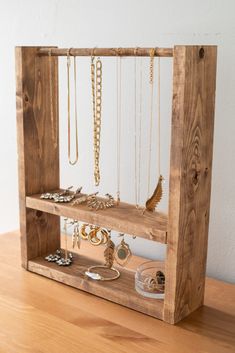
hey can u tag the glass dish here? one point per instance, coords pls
(150, 279)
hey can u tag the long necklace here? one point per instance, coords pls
(140, 129)
(156, 197)
(52, 113)
(151, 81)
(96, 87)
(135, 127)
(119, 120)
(159, 115)
(75, 110)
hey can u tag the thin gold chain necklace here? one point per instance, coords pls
(159, 115)
(119, 121)
(75, 110)
(140, 129)
(151, 81)
(135, 126)
(53, 115)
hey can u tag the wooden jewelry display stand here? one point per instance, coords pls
(184, 230)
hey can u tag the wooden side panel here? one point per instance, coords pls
(38, 151)
(190, 179)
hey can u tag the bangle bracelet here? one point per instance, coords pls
(97, 277)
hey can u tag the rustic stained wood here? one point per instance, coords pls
(38, 152)
(125, 218)
(40, 315)
(121, 291)
(190, 178)
(164, 52)
(185, 229)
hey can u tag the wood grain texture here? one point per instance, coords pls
(125, 218)
(38, 152)
(43, 316)
(121, 291)
(164, 52)
(190, 178)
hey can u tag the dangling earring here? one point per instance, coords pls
(122, 252)
(76, 240)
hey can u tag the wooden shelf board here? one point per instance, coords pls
(124, 218)
(121, 291)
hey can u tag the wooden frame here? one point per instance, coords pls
(184, 230)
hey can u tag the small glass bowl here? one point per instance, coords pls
(150, 280)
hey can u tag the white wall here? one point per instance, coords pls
(104, 23)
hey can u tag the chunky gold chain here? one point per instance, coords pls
(96, 86)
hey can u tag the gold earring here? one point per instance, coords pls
(123, 253)
(76, 239)
(83, 233)
(93, 237)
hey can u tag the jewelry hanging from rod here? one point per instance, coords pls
(156, 197)
(140, 129)
(137, 146)
(52, 111)
(72, 162)
(119, 121)
(96, 86)
(135, 125)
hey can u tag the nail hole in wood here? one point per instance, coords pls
(201, 53)
(39, 214)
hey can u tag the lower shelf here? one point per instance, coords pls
(121, 291)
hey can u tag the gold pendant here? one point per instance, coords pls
(154, 200)
(122, 253)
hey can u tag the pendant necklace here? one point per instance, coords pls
(75, 110)
(156, 197)
(119, 120)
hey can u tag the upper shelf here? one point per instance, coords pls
(124, 218)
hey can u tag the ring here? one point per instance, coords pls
(97, 277)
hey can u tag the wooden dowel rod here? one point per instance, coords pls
(167, 52)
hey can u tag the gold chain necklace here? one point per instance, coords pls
(96, 87)
(156, 197)
(119, 115)
(159, 115)
(53, 119)
(135, 126)
(151, 81)
(75, 112)
(140, 129)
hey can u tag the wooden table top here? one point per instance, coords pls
(39, 315)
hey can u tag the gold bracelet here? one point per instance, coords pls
(97, 277)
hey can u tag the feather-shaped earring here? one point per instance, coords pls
(154, 200)
(109, 253)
